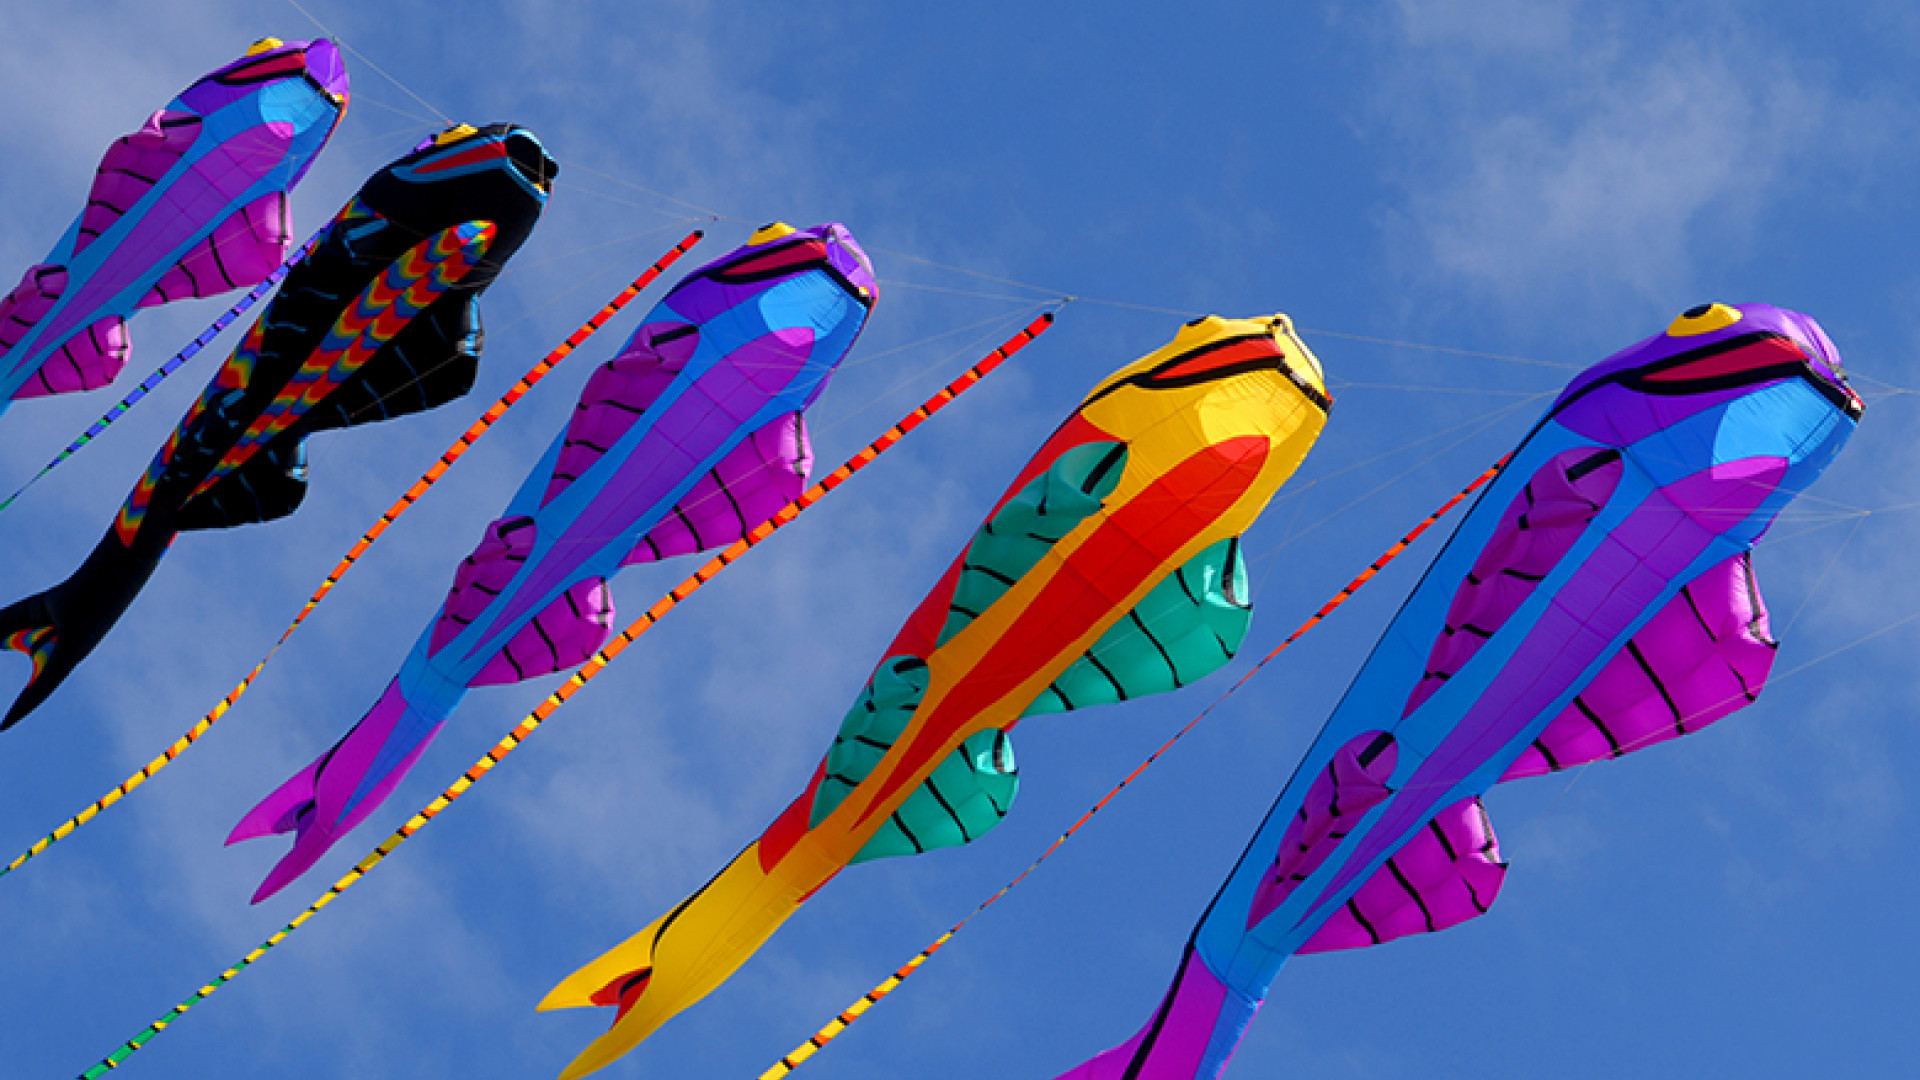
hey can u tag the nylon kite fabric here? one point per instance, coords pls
(1599, 598)
(380, 320)
(686, 440)
(193, 204)
(1109, 569)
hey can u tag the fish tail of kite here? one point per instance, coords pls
(682, 956)
(58, 628)
(326, 800)
(30, 627)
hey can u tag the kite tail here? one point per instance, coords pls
(58, 628)
(324, 801)
(29, 627)
(683, 955)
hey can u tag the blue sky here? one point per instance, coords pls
(1545, 182)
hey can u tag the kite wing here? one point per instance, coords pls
(386, 297)
(687, 439)
(192, 204)
(1598, 599)
(1110, 569)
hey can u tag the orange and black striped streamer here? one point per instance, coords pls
(427, 480)
(587, 671)
(840, 1023)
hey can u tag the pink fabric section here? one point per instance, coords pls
(765, 472)
(240, 251)
(130, 167)
(39, 287)
(1176, 1039)
(482, 575)
(1352, 783)
(617, 394)
(88, 359)
(1448, 873)
(570, 630)
(1704, 655)
(1539, 527)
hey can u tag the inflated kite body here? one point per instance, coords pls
(192, 204)
(1110, 569)
(379, 320)
(1598, 599)
(688, 438)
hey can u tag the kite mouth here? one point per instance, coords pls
(791, 257)
(531, 159)
(1744, 360)
(1223, 359)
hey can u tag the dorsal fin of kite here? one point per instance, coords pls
(435, 359)
(481, 576)
(1539, 527)
(564, 635)
(767, 470)
(1448, 873)
(1354, 782)
(243, 249)
(1028, 525)
(129, 169)
(618, 393)
(878, 717)
(268, 487)
(967, 794)
(1188, 627)
(1706, 654)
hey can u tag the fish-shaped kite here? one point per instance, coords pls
(192, 204)
(687, 439)
(1598, 599)
(1110, 569)
(380, 320)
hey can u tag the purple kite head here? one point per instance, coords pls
(317, 62)
(1708, 355)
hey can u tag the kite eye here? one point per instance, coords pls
(771, 231)
(1704, 319)
(265, 44)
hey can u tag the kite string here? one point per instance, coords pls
(173, 364)
(840, 1023)
(586, 672)
(427, 480)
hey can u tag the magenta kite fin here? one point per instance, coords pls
(279, 812)
(88, 359)
(325, 800)
(241, 250)
(618, 393)
(765, 472)
(1704, 655)
(565, 635)
(482, 576)
(128, 168)
(1354, 782)
(1448, 873)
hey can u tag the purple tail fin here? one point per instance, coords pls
(324, 801)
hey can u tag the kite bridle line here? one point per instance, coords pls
(840, 1023)
(427, 480)
(160, 374)
(597, 662)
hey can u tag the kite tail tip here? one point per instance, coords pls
(28, 627)
(308, 846)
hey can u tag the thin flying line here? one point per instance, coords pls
(367, 60)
